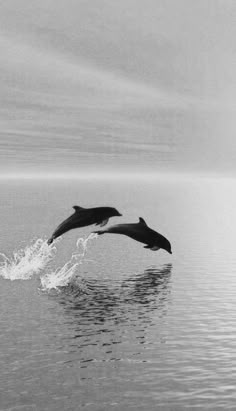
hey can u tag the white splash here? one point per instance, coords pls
(28, 261)
(65, 275)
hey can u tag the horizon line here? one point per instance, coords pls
(108, 175)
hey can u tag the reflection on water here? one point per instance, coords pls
(103, 313)
(101, 299)
(153, 282)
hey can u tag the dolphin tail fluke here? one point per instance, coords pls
(99, 232)
(50, 240)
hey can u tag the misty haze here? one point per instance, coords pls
(117, 118)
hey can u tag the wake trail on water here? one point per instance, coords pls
(34, 258)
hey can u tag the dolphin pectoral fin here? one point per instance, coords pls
(152, 247)
(104, 222)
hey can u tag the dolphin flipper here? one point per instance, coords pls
(152, 247)
(104, 222)
(155, 248)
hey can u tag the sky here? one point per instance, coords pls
(107, 86)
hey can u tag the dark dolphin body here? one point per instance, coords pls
(83, 217)
(142, 233)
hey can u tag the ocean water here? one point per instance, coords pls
(100, 323)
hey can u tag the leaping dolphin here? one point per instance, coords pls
(83, 217)
(142, 233)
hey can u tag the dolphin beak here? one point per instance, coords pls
(119, 214)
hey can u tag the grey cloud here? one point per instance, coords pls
(129, 82)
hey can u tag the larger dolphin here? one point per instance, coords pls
(142, 233)
(83, 217)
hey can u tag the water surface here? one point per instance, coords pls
(127, 328)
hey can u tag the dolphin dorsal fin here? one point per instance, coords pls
(78, 208)
(142, 221)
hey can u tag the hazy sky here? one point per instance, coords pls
(117, 85)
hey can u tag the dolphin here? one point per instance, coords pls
(142, 233)
(83, 217)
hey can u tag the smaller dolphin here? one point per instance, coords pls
(83, 217)
(142, 233)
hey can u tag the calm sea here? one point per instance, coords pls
(104, 324)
